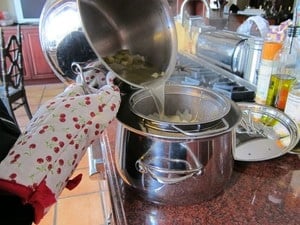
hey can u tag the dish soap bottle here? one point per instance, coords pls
(267, 66)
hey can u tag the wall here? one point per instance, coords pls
(8, 5)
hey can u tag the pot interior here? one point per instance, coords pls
(182, 105)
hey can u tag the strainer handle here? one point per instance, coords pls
(204, 132)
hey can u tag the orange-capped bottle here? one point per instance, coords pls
(267, 67)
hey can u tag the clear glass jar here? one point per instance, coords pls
(293, 104)
(289, 58)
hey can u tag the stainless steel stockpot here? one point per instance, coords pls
(174, 166)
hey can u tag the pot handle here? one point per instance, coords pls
(144, 166)
(198, 132)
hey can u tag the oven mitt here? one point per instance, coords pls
(40, 164)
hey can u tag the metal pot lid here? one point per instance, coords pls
(264, 133)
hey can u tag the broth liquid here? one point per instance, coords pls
(157, 91)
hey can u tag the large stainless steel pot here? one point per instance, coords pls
(180, 166)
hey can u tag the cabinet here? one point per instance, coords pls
(36, 67)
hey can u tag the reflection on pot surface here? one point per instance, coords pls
(62, 38)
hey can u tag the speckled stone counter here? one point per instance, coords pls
(258, 193)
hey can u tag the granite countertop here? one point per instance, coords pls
(265, 193)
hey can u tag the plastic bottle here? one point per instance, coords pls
(296, 13)
(289, 57)
(267, 66)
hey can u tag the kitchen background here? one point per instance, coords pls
(272, 7)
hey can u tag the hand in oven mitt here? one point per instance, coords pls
(40, 164)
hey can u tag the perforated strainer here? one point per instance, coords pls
(202, 108)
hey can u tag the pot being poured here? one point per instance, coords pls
(177, 163)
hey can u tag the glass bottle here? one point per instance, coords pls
(287, 72)
(293, 104)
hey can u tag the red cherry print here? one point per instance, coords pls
(101, 107)
(58, 170)
(62, 115)
(89, 122)
(69, 136)
(87, 98)
(61, 162)
(62, 119)
(56, 149)
(67, 105)
(61, 144)
(35, 186)
(75, 119)
(12, 152)
(71, 142)
(32, 146)
(55, 139)
(77, 126)
(17, 156)
(42, 131)
(76, 146)
(45, 127)
(48, 158)
(13, 176)
(87, 102)
(92, 114)
(97, 132)
(75, 156)
(40, 160)
(85, 130)
(113, 107)
(50, 167)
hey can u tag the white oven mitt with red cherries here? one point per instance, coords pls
(40, 164)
